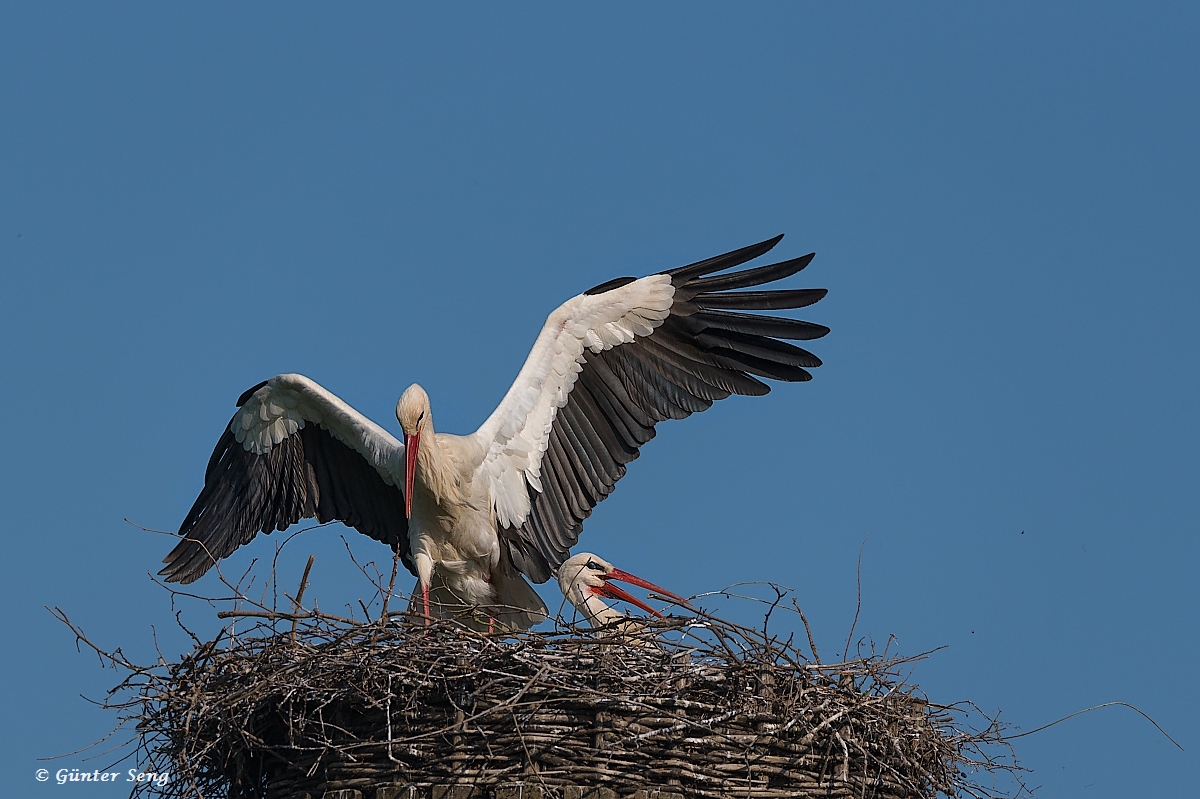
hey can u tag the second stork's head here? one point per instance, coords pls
(585, 578)
(412, 411)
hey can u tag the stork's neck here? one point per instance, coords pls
(438, 468)
(598, 612)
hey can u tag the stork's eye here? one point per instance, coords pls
(594, 566)
(421, 417)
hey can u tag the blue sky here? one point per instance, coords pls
(1003, 204)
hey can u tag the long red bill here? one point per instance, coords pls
(633, 579)
(411, 443)
(613, 592)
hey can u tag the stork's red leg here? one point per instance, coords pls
(425, 597)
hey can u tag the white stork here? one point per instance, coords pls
(472, 516)
(585, 578)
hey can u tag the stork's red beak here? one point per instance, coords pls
(610, 590)
(411, 443)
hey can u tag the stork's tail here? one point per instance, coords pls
(517, 606)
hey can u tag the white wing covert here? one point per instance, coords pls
(517, 432)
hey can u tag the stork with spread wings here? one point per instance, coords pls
(472, 516)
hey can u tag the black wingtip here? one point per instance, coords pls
(725, 261)
(615, 283)
(751, 277)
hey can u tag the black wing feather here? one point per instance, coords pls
(760, 300)
(683, 274)
(758, 324)
(753, 277)
(310, 474)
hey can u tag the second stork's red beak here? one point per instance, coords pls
(610, 590)
(411, 443)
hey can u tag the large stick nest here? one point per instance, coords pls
(699, 706)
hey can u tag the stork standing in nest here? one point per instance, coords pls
(472, 516)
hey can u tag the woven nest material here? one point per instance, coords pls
(697, 707)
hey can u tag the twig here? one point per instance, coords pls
(1134, 708)
(300, 594)
(858, 600)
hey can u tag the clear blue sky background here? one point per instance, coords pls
(1003, 201)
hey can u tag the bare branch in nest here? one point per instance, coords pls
(1134, 708)
(300, 594)
(858, 600)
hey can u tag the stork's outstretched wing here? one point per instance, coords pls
(613, 362)
(293, 451)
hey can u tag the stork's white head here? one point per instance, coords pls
(585, 577)
(581, 577)
(412, 410)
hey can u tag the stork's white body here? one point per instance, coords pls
(452, 523)
(454, 541)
